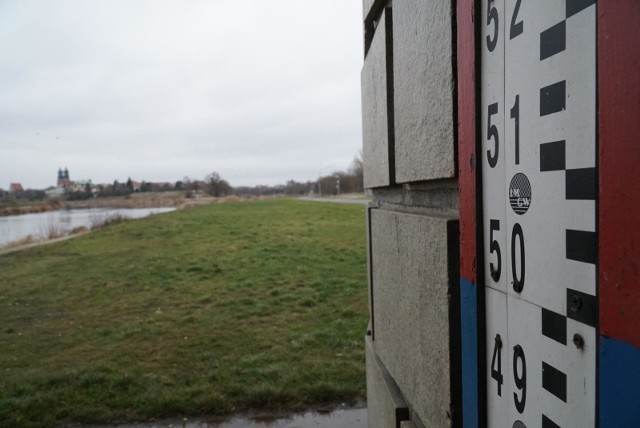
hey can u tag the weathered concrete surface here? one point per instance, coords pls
(416, 310)
(423, 90)
(432, 197)
(385, 405)
(414, 422)
(377, 132)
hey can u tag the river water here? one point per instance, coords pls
(38, 226)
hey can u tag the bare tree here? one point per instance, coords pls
(356, 170)
(216, 185)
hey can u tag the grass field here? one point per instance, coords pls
(207, 310)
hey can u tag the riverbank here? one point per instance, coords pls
(30, 242)
(173, 199)
(21, 231)
(101, 211)
(210, 310)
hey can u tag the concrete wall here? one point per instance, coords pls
(422, 86)
(413, 346)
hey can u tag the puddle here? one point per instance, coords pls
(341, 417)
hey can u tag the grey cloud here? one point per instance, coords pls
(156, 89)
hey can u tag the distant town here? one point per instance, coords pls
(65, 188)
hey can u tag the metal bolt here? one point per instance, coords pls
(575, 303)
(578, 341)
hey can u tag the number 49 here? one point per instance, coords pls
(519, 375)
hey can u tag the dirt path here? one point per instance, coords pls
(8, 250)
(358, 201)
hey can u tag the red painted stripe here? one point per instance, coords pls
(466, 66)
(619, 165)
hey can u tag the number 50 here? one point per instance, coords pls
(494, 247)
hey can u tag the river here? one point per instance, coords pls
(38, 226)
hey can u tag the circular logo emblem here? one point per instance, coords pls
(520, 193)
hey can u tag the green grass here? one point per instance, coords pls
(206, 310)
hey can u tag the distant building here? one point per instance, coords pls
(65, 185)
(63, 178)
(15, 188)
(55, 192)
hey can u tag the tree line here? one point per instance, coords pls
(348, 181)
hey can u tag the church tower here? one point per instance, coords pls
(63, 178)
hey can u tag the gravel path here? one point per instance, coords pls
(359, 201)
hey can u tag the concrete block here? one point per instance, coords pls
(415, 422)
(385, 406)
(441, 197)
(415, 296)
(423, 90)
(377, 108)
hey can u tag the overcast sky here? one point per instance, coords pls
(259, 91)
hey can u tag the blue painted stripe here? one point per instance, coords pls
(469, 325)
(619, 388)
